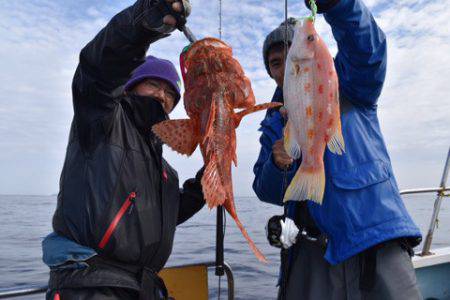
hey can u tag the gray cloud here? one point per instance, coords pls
(41, 41)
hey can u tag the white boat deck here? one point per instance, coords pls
(438, 256)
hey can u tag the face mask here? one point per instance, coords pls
(146, 112)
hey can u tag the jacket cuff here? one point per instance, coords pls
(271, 168)
(324, 6)
(272, 180)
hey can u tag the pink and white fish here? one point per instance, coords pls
(311, 97)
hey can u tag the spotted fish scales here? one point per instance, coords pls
(311, 95)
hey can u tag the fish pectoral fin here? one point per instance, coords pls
(336, 144)
(290, 142)
(213, 189)
(180, 135)
(238, 116)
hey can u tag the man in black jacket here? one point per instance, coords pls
(119, 200)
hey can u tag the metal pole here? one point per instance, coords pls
(25, 291)
(437, 207)
(219, 242)
(425, 190)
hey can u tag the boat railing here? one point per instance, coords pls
(441, 192)
(36, 289)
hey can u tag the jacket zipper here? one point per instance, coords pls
(112, 227)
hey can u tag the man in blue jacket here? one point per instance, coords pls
(357, 243)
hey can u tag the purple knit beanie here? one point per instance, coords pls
(156, 68)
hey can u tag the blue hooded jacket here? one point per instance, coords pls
(362, 206)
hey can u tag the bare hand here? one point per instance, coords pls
(283, 112)
(281, 158)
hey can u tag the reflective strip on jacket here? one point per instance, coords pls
(362, 206)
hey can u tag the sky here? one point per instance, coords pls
(41, 39)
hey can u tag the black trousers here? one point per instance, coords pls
(312, 277)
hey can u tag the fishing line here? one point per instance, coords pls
(285, 28)
(286, 46)
(284, 254)
(220, 19)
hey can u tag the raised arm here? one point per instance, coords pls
(107, 61)
(361, 58)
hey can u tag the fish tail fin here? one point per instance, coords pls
(213, 189)
(259, 255)
(180, 135)
(290, 142)
(336, 144)
(307, 184)
(243, 113)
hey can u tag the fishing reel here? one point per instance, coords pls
(282, 232)
(274, 230)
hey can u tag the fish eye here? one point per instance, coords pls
(310, 38)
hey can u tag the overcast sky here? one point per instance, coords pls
(40, 41)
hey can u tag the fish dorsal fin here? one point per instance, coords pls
(211, 119)
(213, 189)
(336, 144)
(233, 147)
(290, 142)
(238, 116)
(180, 135)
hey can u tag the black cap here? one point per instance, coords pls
(277, 36)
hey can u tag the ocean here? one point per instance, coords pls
(26, 220)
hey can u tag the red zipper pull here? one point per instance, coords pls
(129, 201)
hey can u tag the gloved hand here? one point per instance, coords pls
(199, 175)
(289, 232)
(164, 16)
(323, 5)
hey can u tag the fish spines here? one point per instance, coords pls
(307, 184)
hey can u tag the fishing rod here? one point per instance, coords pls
(221, 218)
(286, 253)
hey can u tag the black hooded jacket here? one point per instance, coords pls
(117, 194)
